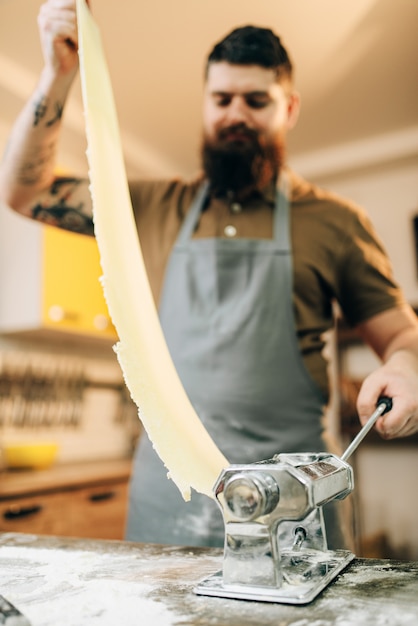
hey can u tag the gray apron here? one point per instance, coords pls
(227, 315)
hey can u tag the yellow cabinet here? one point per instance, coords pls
(72, 295)
(49, 280)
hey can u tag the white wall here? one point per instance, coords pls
(389, 193)
(386, 476)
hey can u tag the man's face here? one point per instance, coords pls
(246, 96)
(246, 116)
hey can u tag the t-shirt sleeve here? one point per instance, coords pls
(367, 284)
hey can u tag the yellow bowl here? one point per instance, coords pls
(30, 455)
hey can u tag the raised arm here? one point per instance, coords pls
(28, 183)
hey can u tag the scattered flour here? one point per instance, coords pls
(72, 588)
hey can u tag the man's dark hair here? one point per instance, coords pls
(252, 45)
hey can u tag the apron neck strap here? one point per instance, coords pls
(281, 218)
(192, 217)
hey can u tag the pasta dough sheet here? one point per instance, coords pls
(178, 436)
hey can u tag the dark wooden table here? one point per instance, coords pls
(72, 582)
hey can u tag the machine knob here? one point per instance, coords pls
(249, 496)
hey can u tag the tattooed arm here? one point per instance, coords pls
(27, 180)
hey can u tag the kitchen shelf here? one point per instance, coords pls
(17, 483)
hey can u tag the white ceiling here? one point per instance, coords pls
(356, 68)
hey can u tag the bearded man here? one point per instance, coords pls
(244, 262)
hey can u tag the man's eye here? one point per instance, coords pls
(222, 101)
(257, 103)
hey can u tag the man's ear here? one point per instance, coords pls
(293, 108)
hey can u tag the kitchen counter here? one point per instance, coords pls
(72, 582)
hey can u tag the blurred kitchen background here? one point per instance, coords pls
(356, 68)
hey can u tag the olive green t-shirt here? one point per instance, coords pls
(337, 256)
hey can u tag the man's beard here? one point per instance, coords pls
(236, 167)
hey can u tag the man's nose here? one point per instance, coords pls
(237, 111)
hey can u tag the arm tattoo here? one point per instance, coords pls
(62, 213)
(64, 216)
(58, 184)
(41, 109)
(58, 114)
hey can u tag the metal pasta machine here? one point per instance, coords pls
(275, 538)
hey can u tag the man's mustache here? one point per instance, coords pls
(238, 129)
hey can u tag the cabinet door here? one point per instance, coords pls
(99, 512)
(49, 279)
(72, 297)
(40, 515)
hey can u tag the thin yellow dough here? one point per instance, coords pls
(179, 438)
